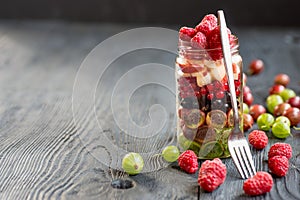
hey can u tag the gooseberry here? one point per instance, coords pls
(287, 93)
(283, 119)
(265, 121)
(132, 163)
(256, 66)
(282, 79)
(276, 89)
(256, 110)
(247, 121)
(170, 153)
(280, 109)
(293, 114)
(294, 101)
(272, 101)
(281, 130)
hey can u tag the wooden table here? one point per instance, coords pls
(51, 148)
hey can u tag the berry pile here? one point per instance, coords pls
(282, 108)
(204, 104)
(279, 155)
(206, 35)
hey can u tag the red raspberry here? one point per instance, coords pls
(214, 38)
(199, 41)
(278, 165)
(211, 174)
(188, 161)
(258, 139)
(280, 149)
(186, 33)
(208, 23)
(260, 183)
(214, 43)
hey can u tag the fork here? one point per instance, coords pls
(237, 143)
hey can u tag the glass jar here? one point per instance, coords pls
(204, 111)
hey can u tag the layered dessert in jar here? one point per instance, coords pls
(203, 100)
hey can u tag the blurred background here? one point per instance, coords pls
(188, 12)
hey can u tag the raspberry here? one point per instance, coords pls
(280, 149)
(188, 161)
(258, 139)
(214, 38)
(186, 33)
(214, 43)
(208, 23)
(278, 165)
(260, 183)
(211, 174)
(199, 41)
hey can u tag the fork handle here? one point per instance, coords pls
(228, 65)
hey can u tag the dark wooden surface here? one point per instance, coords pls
(46, 154)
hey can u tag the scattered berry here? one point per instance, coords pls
(283, 119)
(188, 161)
(258, 139)
(259, 184)
(132, 163)
(248, 98)
(287, 93)
(186, 33)
(282, 79)
(276, 89)
(256, 66)
(294, 101)
(247, 121)
(278, 165)
(199, 41)
(256, 110)
(280, 149)
(211, 174)
(281, 109)
(208, 23)
(281, 130)
(245, 108)
(293, 114)
(272, 101)
(265, 121)
(170, 153)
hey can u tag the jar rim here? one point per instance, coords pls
(186, 46)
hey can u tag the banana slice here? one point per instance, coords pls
(218, 73)
(236, 63)
(203, 77)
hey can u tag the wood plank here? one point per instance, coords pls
(43, 152)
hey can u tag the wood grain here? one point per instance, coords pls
(45, 154)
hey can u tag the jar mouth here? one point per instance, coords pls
(186, 46)
(186, 50)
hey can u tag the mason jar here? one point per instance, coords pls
(204, 110)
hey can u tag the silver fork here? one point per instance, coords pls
(237, 143)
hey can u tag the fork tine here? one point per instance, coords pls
(241, 160)
(249, 156)
(236, 161)
(246, 162)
